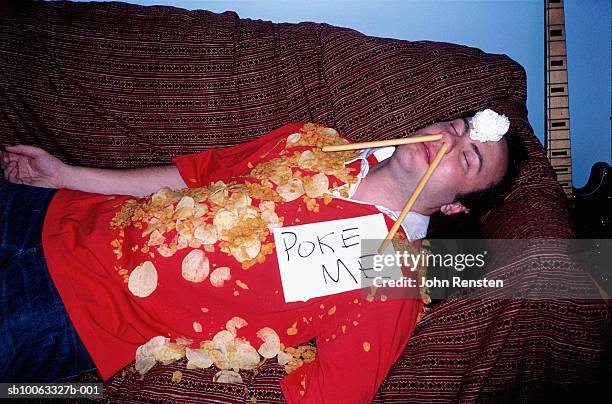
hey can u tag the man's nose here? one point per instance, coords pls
(452, 138)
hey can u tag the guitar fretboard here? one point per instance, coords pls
(557, 137)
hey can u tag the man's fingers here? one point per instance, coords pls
(12, 175)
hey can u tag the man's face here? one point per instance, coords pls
(467, 166)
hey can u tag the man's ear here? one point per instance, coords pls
(453, 208)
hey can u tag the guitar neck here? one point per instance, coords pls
(557, 136)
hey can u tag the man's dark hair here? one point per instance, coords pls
(485, 199)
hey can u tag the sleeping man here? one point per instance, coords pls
(165, 262)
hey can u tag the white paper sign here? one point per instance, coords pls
(325, 258)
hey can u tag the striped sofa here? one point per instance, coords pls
(118, 85)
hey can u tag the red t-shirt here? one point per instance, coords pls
(90, 258)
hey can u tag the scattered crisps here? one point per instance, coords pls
(198, 358)
(271, 346)
(143, 279)
(196, 266)
(291, 190)
(206, 233)
(283, 358)
(177, 375)
(247, 250)
(227, 376)
(235, 323)
(293, 138)
(219, 276)
(293, 329)
(157, 349)
(145, 354)
(316, 185)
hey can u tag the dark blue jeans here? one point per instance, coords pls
(38, 342)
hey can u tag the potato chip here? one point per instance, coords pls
(247, 211)
(143, 279)
(147, 354)
(185, 208)
(246, 251)
(242, 355)
(207, 345)
(238, 200)
(199, 210)
(293, 138)
(195, 266)
(198, 359)
(235, 323)
(283, 358)
(280, 174)
(182, 242)
(184, 341)
(206, 233)
(184, 228)
(165, 196)
(197, 327)
(293, 329)
(366, 346)
(144, 364)
(195, 243)
(152, 224)
(271, 219)
(185, 202)
(271, 346)
(222, 339)
(219, 359)
(223, 221)
(291, 190)
(241, 284)
(316, 185)
(219, 196)
(219, 276)
(156, 238)
(177, 375)
(267, 205)
(307, 160)
(154, 344)
(170, 352)
(293, 364)
(227, 376)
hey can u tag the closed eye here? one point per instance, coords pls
(466, 160)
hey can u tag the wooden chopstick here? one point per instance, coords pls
(413, 197)
(382, 143)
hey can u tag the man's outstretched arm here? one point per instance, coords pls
(31, 165)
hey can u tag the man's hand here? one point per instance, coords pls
(31, 165)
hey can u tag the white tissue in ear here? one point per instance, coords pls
(488, 125)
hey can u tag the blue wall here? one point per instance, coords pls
(513, 27)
